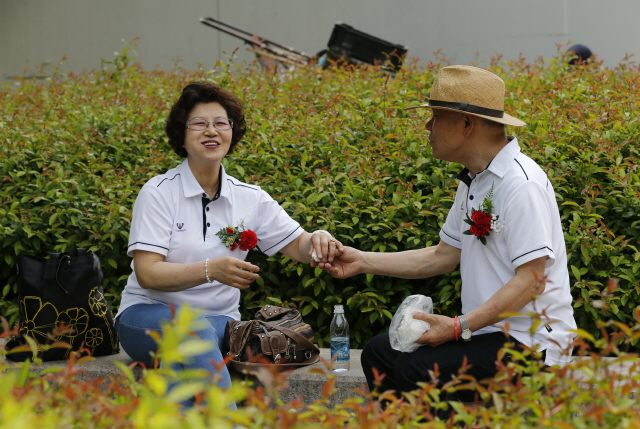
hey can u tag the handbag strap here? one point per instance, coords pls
(243, 334)
(58, 269)
(240, 339)
(300, 339)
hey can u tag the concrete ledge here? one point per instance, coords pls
(301, 382)
(308, 385)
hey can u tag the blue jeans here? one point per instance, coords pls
(137, 319)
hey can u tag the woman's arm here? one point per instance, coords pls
(302, 247)
(153, 272)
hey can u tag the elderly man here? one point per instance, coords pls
(503, 229)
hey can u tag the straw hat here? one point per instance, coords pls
(471, 90)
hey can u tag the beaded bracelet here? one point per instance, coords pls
(206, 270)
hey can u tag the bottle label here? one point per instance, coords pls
(340, 346)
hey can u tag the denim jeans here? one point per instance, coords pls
(137, 319)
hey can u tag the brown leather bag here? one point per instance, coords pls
(277, 333)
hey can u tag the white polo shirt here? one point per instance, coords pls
(524, 199)
(174, 217)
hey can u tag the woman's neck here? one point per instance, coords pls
(208, 176)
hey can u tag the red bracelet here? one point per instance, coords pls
(455, 326)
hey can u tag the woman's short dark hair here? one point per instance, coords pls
(203, 92)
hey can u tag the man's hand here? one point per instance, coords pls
(347, 264)
(441, 330)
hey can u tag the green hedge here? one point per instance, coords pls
(337, 149)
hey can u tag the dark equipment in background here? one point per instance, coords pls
(346, 45)
(357, 47)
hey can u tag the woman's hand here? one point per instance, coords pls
(233, 271)
(326, 248)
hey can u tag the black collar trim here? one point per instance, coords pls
(464, 176)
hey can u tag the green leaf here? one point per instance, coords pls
(576, 272)
(24, 373)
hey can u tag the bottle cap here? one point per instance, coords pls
(338, 309)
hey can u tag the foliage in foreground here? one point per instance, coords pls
(590, 393)
(337, 149)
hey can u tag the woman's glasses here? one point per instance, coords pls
(220, 124)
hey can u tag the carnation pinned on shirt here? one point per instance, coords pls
(234, 237)
(482, 221)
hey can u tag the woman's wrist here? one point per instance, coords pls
(207, 273)
(322, 231)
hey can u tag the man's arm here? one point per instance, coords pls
(513, 296)
(411, 264)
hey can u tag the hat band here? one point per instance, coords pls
(464, 107)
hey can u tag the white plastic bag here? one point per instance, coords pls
(405, 330)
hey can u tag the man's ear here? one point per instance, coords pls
(470, 124)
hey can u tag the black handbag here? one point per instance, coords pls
(64, 289)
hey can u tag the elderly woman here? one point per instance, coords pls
(193, 227)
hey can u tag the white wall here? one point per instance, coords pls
(36, 31)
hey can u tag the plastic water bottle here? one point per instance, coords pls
(339, 332)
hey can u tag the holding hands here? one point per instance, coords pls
(323, 248)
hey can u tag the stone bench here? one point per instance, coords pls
(301, 382)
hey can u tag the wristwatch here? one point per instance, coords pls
(466, 332)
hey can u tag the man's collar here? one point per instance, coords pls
(499, 164)
(190, 185)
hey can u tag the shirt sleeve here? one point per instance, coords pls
(450, 232)
(277, 228)
(528, 226)
(151, 222)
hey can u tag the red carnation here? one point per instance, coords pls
(230, 230)
(482, 222)
(248, 240)
(234, 246)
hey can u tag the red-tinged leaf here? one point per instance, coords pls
(18, 349)
(327, 389)
(61, 345)
(85, 359)
(624, 328)
(5, 324)
(318, 371)
(154, 334)
(507, 314)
